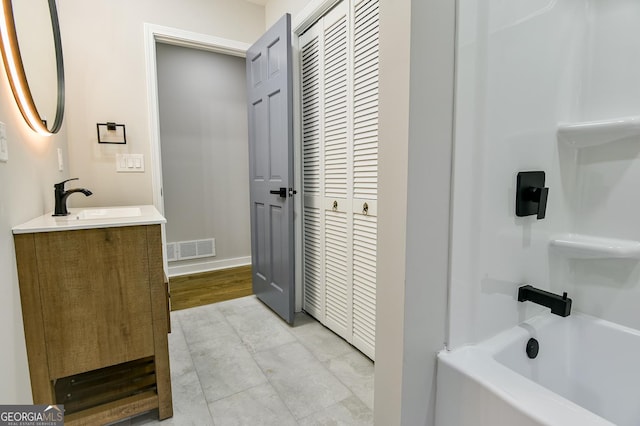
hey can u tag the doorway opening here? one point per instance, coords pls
(199, 143)
(203, 140)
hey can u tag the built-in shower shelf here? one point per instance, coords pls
(592, 133)
(578, 246)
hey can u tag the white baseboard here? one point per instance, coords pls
(211, 265)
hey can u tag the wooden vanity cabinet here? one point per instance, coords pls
(94, 304)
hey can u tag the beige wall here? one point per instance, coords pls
(429, 204)
(274, 9)
(26, 191)
(392, 208)
(416, 139)
(105, 62)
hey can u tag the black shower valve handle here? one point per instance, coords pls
(539, 196)
(542, 203)
(531, 194)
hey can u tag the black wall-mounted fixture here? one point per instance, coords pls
(560, 305)
(111, 132)
(531, 194)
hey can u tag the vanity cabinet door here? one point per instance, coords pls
(95, 295)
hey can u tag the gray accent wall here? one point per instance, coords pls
(203, 132)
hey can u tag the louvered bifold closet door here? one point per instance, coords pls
(337, 172)
(312, 170)
(365, 173)
(339, 81)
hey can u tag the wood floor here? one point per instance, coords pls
(188, 291)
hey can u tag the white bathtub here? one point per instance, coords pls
(587, 372)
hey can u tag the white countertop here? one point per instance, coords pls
(93, 217)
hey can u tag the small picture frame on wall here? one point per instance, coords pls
(110, 132)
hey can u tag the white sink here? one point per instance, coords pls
(111, 213)
(95, 217)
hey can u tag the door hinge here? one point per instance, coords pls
(292, 192)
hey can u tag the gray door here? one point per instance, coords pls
(270, 102)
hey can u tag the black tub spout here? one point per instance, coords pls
(560, 305)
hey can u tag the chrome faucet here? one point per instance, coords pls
(61, 197)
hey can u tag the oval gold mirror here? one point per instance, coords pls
(32, 54)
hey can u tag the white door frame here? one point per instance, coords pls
(310, 14)
(159, 34)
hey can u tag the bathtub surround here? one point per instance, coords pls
(550, 86)
(604, 199)
(528, 75)
(508, 105)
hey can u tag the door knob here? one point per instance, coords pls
(282, 192)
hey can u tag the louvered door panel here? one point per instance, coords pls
(311, 118)
(337, 273)
(336, 132)
(365, 101)
(365, 236)
(313, 262)
(339, 84)
(365, 173)
(312, 133)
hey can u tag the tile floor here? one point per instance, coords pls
(237, 363)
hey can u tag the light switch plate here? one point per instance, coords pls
(4, 148)
(129, 163)
(60, 160)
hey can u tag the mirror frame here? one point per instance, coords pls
(15, 69)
